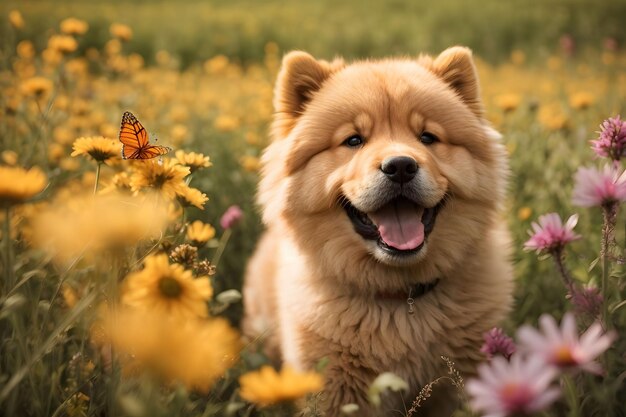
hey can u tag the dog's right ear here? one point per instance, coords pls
(299, 78)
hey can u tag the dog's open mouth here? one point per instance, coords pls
(400, 227)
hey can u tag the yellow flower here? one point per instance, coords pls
(193, 160)
(552, 117)
(179, 133)
(18, 184)
(225, 123)
(37, 87)
(98, 148)
(518, 57)
(9, 157)
(250, 163)
(73, 26)
(62, 43)
(266, 386)
(524, 213)
(120, 182)
(25, 49)
(168, 289)
(188, 196)
(121, 31)
(194, 352)
(581, 100)
(166, 178)
(508, 102)
(199, 233)
(83, 225)
(16, 19)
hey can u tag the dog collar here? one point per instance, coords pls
(414, 291)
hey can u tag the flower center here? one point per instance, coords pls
(563, 356)
(170, 287)
(516, 397)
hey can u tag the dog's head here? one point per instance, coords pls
(385, 160)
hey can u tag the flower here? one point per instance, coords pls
(587, 300)
(508, 102)
(166, 178)
(36, 86)
(497, 343)
(550, 234)
(612, 140)
(62, 43)
(18, 184)
(188, 196)
(100, 149)
(121, 31)
(383, 382)
(581, 100)
(199, 233)
(266, 386)
(73, 26)
(562, 347)
(231, 217)
(521, 386)
(594, 187)
(193, 160)
(16, 19)
(167, 288)
(193, 352)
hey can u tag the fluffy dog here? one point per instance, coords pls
(385, 248)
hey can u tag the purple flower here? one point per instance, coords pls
(497, 343)
(594, 187)
(519, 387)
(612, 140)
(550, 233)
(231, 217)
(562, 347)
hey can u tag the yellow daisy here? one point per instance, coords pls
(195, 353)
(199, 233)
(16, 19)
(266, 386)
(37, 87)
(581, 100)
(18, 184)
(73, 26)
(100, 149)
(167, 178)
(62, 43)
(188, 197)
(167, 288)
(508, 102)
(121, 31)
(193, 160)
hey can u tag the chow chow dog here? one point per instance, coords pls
(385, 249)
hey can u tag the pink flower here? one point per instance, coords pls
(519, 387)
(562, 347)
(612, 140)
(231, 217)
(596, 188)
(497, 343)
(550, 233)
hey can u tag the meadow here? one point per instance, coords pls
(97, 251)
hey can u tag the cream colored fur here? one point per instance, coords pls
(312, 288)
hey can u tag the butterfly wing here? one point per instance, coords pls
(135, 141)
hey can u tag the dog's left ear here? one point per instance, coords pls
(456, 67)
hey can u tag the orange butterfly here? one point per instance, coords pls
(134, 138)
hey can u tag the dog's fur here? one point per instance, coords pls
(316, 288)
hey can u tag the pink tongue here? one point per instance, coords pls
(400, 224)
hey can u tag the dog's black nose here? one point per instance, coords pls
(399, 168)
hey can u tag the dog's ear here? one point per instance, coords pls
(456, 67)
(299, 78)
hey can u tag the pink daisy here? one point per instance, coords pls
(612, 140)
(519, 387)
(598, 187)
(497, 343)
(550, 233)
(562, 347)
(231, 217)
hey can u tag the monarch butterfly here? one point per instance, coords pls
(134, 138)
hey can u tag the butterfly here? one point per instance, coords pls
(134, 138)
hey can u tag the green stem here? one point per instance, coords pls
(8, 254)
(221, 247)
(95, 187)
(571, 396)
(608, 240)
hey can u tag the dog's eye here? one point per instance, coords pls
(354, 141)
(428, 138)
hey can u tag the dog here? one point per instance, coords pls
(386, 249)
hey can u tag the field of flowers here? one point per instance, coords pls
(120, 278)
